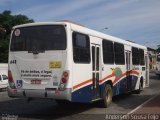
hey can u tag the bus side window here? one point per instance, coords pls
(119, 53)
(135, 56)
(108, 52)
(81, 48)
(141, 57)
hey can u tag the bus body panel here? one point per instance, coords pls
(40, 75)
(157, 71)
(30, 67)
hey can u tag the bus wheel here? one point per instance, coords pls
(140, 88)
(107, 97)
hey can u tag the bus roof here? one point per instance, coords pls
(85, 30)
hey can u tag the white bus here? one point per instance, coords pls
(158, 65)
(67, 61)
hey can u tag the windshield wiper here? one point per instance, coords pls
(36, 51)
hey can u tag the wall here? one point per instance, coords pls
(4, 68)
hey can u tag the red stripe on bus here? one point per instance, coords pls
(128, 72)
(133, 72)
(118, 78)
(81, 84)
(106, 78)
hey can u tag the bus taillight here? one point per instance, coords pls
(64, 80)
(10, 80)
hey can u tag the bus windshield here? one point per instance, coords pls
(39, 38)
(158, 58)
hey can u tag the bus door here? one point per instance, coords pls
(95, 70)
(128, 69)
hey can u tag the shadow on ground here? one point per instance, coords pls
(49, 109)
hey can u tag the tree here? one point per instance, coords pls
(7, 21)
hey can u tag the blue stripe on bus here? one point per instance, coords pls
(86, 94)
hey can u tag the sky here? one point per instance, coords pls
(135, 20)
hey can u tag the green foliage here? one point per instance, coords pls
(7, 21)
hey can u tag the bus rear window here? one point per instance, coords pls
(40, 38)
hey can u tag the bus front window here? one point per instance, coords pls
(39, 38)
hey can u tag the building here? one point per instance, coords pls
(152, 57)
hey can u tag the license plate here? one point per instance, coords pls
(35, 81)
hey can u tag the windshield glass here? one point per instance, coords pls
(39, 38)
(158, 58)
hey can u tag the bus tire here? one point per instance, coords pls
(140, 88)
(107, 96)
